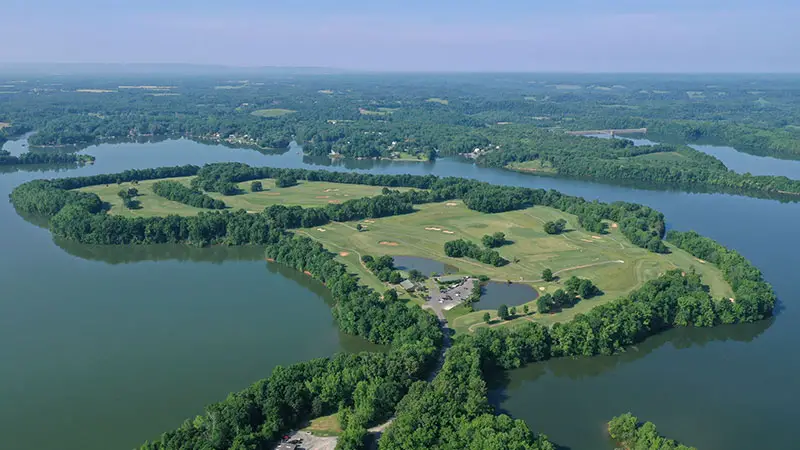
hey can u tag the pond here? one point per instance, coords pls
(424, 265)
(495, 293)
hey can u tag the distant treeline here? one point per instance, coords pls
(619, 160)
(627, 431)
(6, 159)
(642, 225)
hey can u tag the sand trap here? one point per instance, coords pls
(331, 190)
(252, 212)
(321, 229)
(587, 240)
(369, 221)
(451, 204)
(700, 261)
(391, 244)
(344, 253)
(433, 229)
(449, 232)
(732, 300)
(541, 288)
(614, 225)
(334, 201)
(596, 237)
(323, 196)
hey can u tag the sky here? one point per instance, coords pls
(411, 35)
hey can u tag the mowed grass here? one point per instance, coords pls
(274, 112)
(305, 194)
(610, 261)
(324, 426)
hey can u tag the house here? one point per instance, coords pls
(408, 285)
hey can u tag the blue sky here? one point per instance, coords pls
(412, 35)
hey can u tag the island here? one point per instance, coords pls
(428, 389)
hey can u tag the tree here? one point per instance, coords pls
(547, 275)
(359, 227)
(525, 309)
(285, 180)
(395, 277)
(544, 304)
(502, 312)
(256, 186)
(415, 275)
(513, 311)
(555, 227)
(390, 295)
(486, 317)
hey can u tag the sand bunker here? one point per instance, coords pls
(700, 261)
(451, 204)
(252, 212)
(541, 288)
(344, 253)
(369, 221)
(587, 240)
(321, 229)
(334, 201)
(323, 196)
(449, 232)
(433, 229)
(391, 244)
(596, 237)
(331, 190)
(613, 225)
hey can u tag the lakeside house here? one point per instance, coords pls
(408, 285)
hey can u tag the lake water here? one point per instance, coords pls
(494, 294)
(104, 348)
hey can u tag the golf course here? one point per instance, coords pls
(614, 264)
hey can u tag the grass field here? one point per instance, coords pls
(306, 194)
(274, 112)
(324, 426)
(537, 166)
(614, 264)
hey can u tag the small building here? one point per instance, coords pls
(408, 285)
(285, 446)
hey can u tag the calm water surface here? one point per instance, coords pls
(424, 265)
(106, 347)
(495, 294)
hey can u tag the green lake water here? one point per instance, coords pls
(105, 347)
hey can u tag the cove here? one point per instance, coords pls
(706, 387)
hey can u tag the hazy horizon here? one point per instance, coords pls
(572, 36)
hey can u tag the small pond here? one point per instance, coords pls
(497, 293)
(424, 265)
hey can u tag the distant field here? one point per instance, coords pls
(95, 91)
(536, 166)
(274, 112)
(662, 156)
(437, 100)
(614, 264)
(377, 111)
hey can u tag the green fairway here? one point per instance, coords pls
(610, 261)
(274, 112)
(305, 194)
